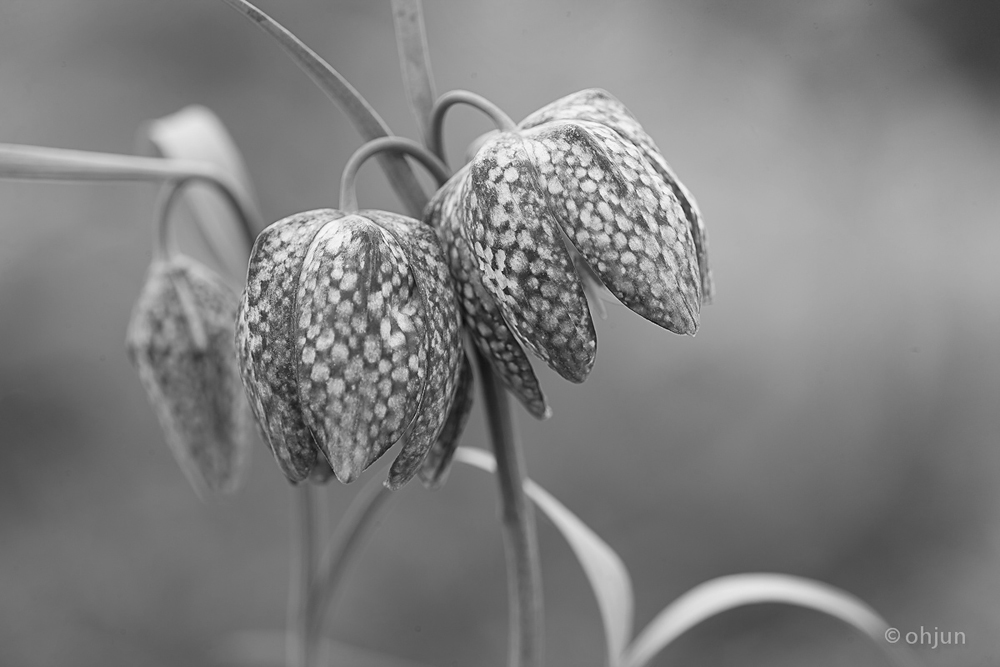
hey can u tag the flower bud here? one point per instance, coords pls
(580, 171)
(180, 339)
(349, 340)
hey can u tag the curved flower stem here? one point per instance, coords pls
(400, 145)
(452, 97)
(524, 573)
(360, 518)
(302, 645)
(61, 164)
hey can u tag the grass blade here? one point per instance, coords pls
(337, 88)
(415, 61)
(718, 595)
(604, 568)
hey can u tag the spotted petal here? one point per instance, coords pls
(444, 340)
(599, 106)
(434, 469)
(265, 333)
(361, 342)
(487, 328)
(621, 217)
(523, 259)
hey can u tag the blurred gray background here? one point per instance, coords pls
(836, 416)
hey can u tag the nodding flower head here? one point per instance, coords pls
(348, 337)
(180, 339)
(577, 180)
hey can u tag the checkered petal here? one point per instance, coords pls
(446, 214)
(342, 325)
(265, 330)
(523, 260)
(619, 214)
(444, 342)
(599, 106)
(434, 469)
(361, 342)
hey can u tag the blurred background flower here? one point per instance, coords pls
(835, 417)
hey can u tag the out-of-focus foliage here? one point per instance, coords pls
(834, 418)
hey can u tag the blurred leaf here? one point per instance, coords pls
(607, 574)
(724, 593)
(414, 58)
(367, 122)
(195, 133)
(266, 648)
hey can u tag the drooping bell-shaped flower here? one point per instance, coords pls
(180, 339)
(349, 340)
(577, 180)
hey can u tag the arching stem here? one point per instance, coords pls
(453, 97)
(61, 164)
(399, 145)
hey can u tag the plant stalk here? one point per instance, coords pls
(358, 521)
(302, 645)
(524, 573)
(63, 164)
(398, 145)
(436, 123)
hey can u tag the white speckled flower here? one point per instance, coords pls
(348, 337)
(578, 179)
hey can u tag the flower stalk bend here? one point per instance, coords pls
(503, 122)
(398, 145)
(61, 164)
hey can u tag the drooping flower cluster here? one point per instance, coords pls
(580, 170)
(348, 338)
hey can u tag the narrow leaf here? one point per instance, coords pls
(604, 568)
(414, 58)
(367, 122)
(195, 133)
(724, 593)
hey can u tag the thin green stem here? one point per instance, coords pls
(337, 88)
(398, 145)
(62, 164)
(361, 517)
(453, 97)
(301, 646)
(524, 574)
